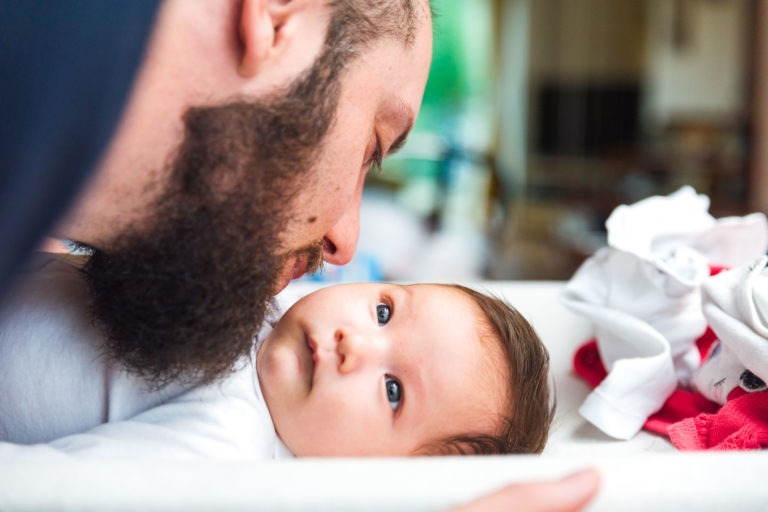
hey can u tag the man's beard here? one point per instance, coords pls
(183, 296)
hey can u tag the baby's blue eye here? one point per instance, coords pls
(383, 313)
(394, 391)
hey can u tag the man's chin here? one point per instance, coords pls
(280, 286)
(164, 318)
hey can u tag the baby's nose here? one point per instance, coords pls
(355, 350)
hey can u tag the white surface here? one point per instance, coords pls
(642, 482)
(635, 477)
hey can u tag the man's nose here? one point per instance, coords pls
(355, 349)
(340, 242)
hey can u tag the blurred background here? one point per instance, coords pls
(541, 116)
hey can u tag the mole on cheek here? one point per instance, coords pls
(311, 219)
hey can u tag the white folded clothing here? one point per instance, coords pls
(643, 295)
(645, 320)
(656, 225)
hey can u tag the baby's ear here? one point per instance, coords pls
(260, 27)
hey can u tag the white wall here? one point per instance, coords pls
(705, 77)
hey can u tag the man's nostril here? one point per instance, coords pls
(329, 246)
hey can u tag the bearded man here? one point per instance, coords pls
(238, 165)
(225, 145)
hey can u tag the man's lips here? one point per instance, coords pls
(299, 269)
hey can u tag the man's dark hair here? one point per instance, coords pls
(364, 21)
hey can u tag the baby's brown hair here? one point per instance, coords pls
(525, 426)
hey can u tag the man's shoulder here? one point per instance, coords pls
(49, 290)
(53, 361)
(49, 353)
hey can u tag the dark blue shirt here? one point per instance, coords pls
(66, 70)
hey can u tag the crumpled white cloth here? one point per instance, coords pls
(735, 303)
(643, 294)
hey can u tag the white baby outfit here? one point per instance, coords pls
(58, 388)
(643, 295)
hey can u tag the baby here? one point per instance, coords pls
(383, 369)
(368, 369)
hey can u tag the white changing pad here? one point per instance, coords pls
(645, 473)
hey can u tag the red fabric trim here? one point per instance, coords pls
(740, 424)
(680, 405)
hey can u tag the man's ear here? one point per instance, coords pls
(260, 24)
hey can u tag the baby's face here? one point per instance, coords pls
(380, 369)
